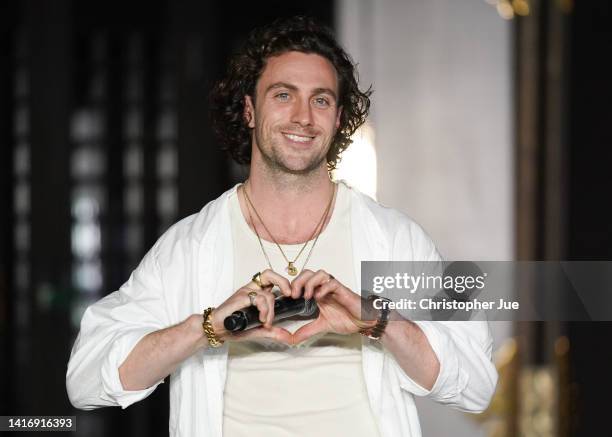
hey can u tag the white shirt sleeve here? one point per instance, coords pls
(467, 377)
(110, 329)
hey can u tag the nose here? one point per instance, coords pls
(302, 113)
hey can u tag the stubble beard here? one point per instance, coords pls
(277, 164)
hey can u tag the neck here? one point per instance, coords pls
(290, 188)
(290, 205)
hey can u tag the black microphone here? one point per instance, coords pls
(284, 307)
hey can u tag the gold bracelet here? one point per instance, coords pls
(209, 331)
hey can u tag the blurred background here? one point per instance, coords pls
(490, 126)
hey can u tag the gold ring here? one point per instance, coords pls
(252, 295)
(257, 280)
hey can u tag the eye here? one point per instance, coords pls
(282, 97)
(321, 102)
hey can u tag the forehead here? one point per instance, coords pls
(304, 70)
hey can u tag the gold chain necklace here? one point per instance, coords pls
(291, 268)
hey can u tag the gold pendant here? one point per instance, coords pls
(291, 269)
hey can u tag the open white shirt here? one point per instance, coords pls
(191, 268)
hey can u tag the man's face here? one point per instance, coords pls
(296, 114)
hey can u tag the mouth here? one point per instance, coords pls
(298, 138)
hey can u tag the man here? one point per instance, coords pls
(287, 107)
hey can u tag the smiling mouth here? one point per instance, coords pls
(298, 138)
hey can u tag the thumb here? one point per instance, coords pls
(308, 330)
(274, 333)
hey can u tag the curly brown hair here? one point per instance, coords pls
(301, 34)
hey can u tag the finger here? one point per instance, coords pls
(277, 334)
(321, 277)
(264, 302)
(324, 290)
(297, 284)
(270, 277)
(262, 305)
(281, 335)
(237, 301)
(340, 294)
(308, 330)
(269, 298)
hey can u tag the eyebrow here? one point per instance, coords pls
(294, 88)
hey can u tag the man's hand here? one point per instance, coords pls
(264, 303)
(339, 307)
(340, 312)
(159, 353)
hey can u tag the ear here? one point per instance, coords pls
(249, 112)
(338, 117)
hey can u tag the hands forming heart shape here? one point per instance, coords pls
(339, 308)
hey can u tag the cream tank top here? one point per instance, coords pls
(316, 388)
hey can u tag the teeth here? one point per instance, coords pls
(298, 138)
